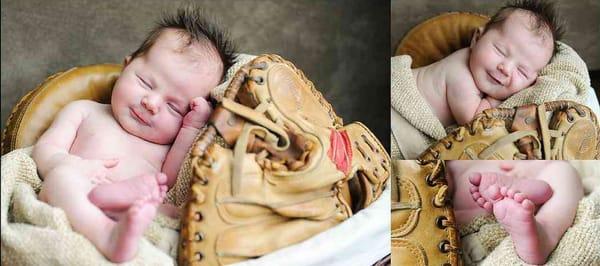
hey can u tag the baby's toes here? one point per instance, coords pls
(476, 196)
(528, 205)
(519, 197)
(504, 191)
(163, 192)
(475, 179)
(511, 193)
(488, 206)
(474, 189)
(161, 178)
(481, 202)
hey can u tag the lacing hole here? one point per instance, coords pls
(198, 256)
(198, 236)
(259, 80)
(439, 221)
(570, 118)
(442, 246)
(448, 146)
(368, 159)
(198, 216)
(429, 180)
(204, 182)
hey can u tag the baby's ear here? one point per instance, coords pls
(127, 60)
(476, 35)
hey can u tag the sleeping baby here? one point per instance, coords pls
(523, 196)
(108, 166)
(504, 57)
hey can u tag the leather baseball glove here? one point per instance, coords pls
(423, 225)
(288, 171)
(559, 130)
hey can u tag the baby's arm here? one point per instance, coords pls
(465, 106)
(52, 149)
(53, 146)
(192, 123)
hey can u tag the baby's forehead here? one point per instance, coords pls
(522, 22)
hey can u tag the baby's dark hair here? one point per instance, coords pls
(191, 22)
(544, 12)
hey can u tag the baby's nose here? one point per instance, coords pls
(151, 104)
(505, 69)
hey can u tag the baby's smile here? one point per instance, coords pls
(135, 114)
(494, 80)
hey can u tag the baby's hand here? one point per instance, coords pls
(96, 170)
(199, 112)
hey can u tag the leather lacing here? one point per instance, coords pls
(199, 157)
(487, 123)
(441, 199)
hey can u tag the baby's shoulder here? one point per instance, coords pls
(86, 107)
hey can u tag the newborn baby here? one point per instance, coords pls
(504, 57)
(103, 161)
(524, 196)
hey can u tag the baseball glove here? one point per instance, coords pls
(288, 171)
(559, 130)
(423, 226)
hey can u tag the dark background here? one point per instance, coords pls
(342, 46)
(582, 19)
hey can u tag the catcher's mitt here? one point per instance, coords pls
(293, 169)
(559, 130)
(423, 226)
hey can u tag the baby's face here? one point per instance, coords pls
(154, 91)
(508, 57)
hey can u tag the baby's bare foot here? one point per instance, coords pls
(131, 228)
(489, 188)
(121, 195)
(517, 217)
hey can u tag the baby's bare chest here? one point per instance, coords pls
(101, 137)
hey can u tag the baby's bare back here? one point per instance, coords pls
(101, 137)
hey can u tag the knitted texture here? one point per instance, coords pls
(565, 78)
(578, 246)
(35, 233)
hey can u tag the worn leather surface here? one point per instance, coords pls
(35, 111)
(423, 230)
(439, 36)
(558, 130)
(294, 170)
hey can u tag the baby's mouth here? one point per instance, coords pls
(494, 80)
(138, 117)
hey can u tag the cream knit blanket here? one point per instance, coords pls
(485, 242)
(565, 78)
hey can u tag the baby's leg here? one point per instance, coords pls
(121, 195)
(536, 236)
(117, 241)
(489, 187)
(557, 214)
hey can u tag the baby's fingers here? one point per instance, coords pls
(110, 163)
(507, 166)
